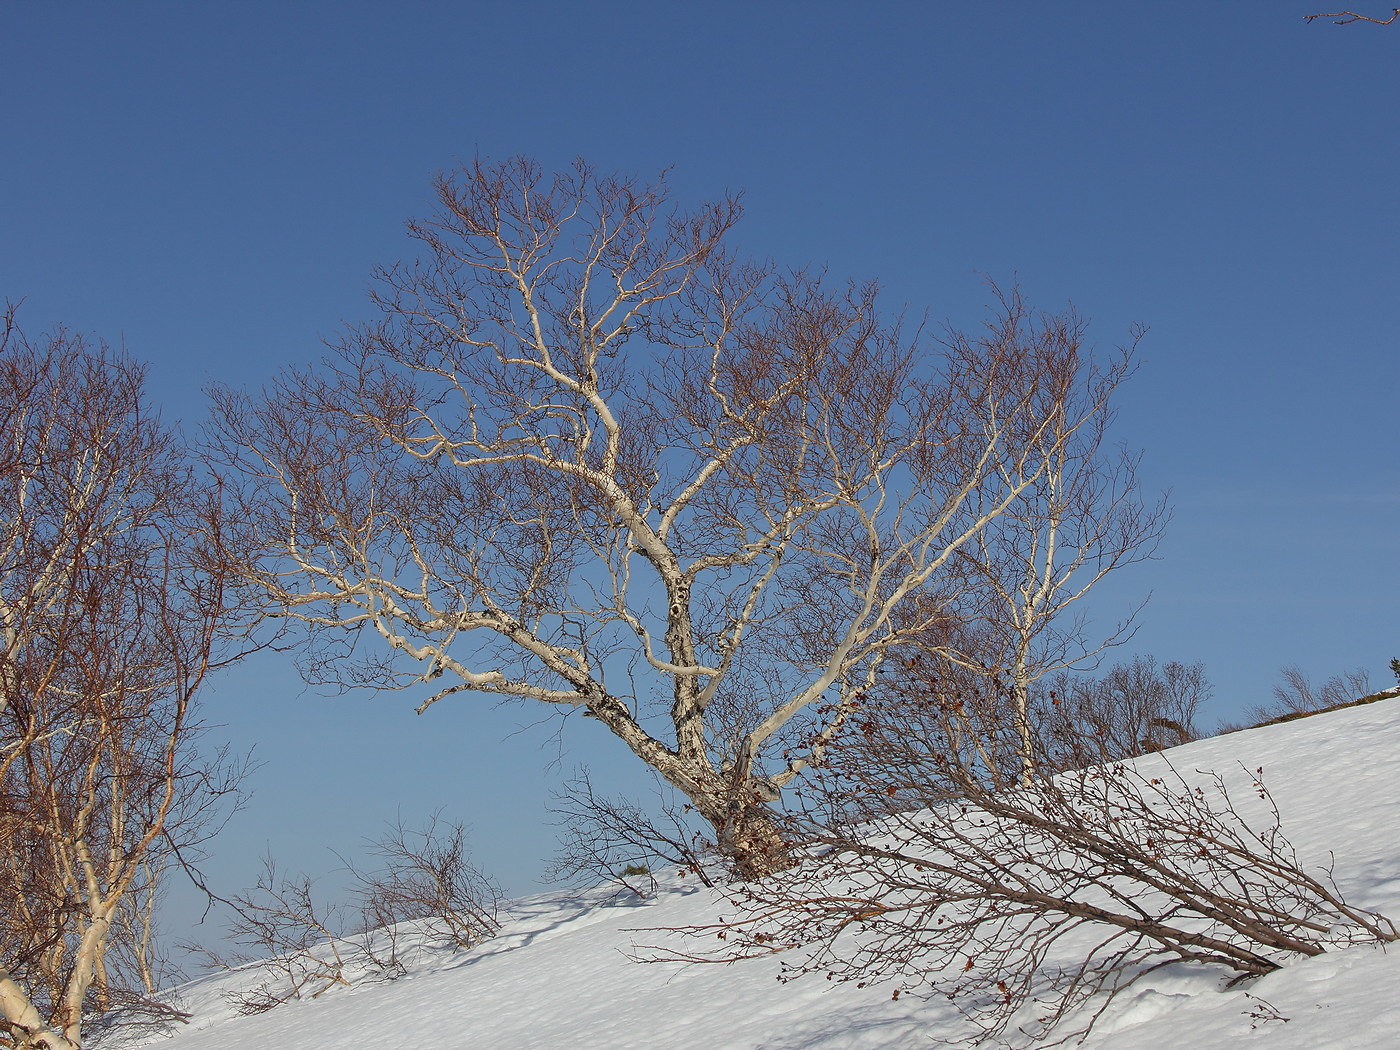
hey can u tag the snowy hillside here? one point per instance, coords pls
(559, 975)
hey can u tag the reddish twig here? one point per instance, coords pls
(1343, 17)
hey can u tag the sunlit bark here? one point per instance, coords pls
(109, 611)
(589, 458)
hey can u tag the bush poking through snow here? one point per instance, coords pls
(1128, 869)
(425, 892)
(297, 941)
(425, 876)
(615, 840)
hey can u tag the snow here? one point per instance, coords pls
(563, 973)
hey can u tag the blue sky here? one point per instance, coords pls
(212, 184)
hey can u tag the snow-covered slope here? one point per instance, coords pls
(560, 974)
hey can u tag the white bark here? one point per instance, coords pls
(1083, 518)
(583, 432)
(108, 609)
(20, 1013)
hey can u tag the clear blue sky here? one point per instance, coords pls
(212, 184)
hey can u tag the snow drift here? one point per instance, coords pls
(562, 973)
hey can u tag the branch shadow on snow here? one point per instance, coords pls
(532, 920)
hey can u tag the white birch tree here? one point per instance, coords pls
(108, 623)
(589, 458)
(1026, 573)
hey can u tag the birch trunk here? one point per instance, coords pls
(24, 1020)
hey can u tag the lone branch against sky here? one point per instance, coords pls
(1344, 17)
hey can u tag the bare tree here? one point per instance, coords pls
(111, 604)
(425, 889)
(618, 840)
(299, 943)
(1037, 904)
(1024, 573)
(935, 692)
(971, 715)
(589, 458)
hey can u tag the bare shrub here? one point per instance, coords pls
(1025, 905)
(299, 942)
(935, 693)
(424, 892)
(1135, 708)
(617, 840)
(1295, 694)
(939, 699)
(426, 877)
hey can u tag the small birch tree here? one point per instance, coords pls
(589, 458)
(109, 618)
(1082, 517)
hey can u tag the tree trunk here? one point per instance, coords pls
(24, 1020)
(755, 844)
(745, 831)
(1025, 738)
(87, 963)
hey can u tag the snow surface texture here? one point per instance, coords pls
(559, 975)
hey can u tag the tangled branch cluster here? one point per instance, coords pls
(1030, 905)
